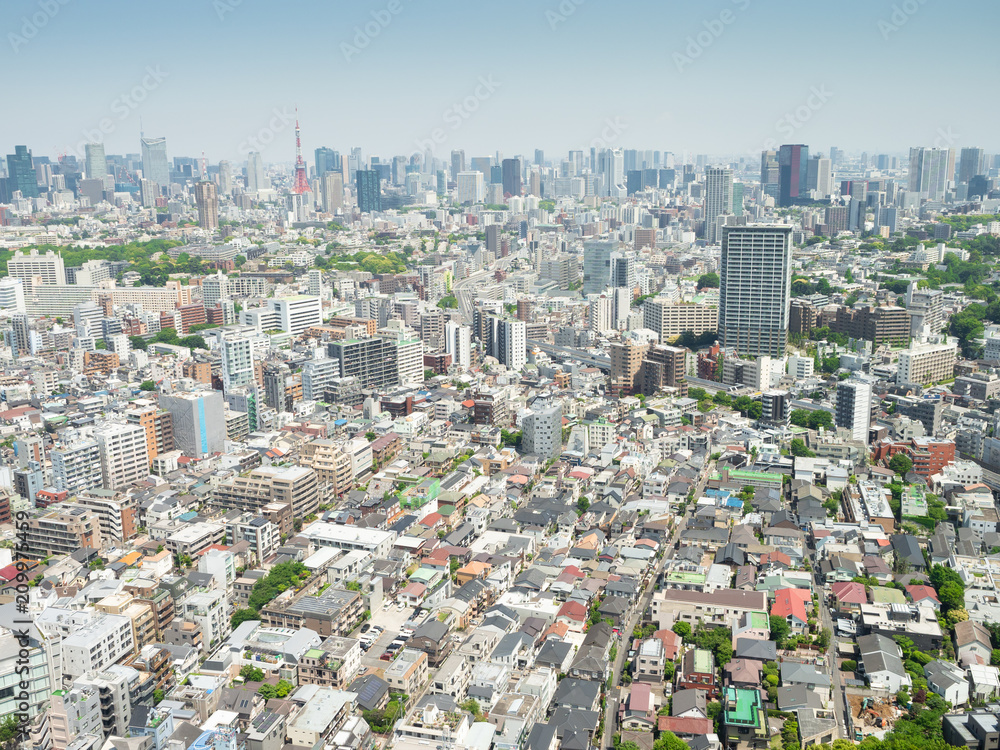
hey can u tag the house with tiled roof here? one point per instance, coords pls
(848, 596)
(790, 605)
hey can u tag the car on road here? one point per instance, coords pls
(387, 656)
(365, 627)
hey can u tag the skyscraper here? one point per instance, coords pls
(973, 163)
(369, 191)
(471, 188)
(457, 163)
(511, 173)
(207, 198)
(597, 265)
(792, 173)
(21, 173)
(155, 166)
(819, 177)
(327, 160)
(854, 407)
(506, 340)
(97, 162)
(333, 191)
(930, 171)
(225, 177)
(255, 173)
(718, 199)
(755, 289)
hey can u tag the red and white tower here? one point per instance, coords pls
(301, 179)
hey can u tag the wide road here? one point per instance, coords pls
(463, 290)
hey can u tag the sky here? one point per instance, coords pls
(723, 77)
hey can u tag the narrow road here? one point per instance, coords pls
(836, 684)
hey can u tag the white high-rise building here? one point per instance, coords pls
(601, 314)
(49, 267)
(124, 456)
(296, 314)
(333, 192)
(931, 169)
(155, 166)
(755, 293)
(508, 342)
(12, 295)
(458, 343)
(214, 289)
(314, 279)
(317, 376)
(237, 360)
(854, 407)
(470, 188)
(541, 431)
(718, 199)
(76, 467)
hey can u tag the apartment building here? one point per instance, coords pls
(124, 457)
(62, 530)
(158, 425)
(297, 486)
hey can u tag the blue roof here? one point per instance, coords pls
(188, 516)
(340, 422)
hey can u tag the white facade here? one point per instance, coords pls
(12, 295)
(458, 343)
(124, 456)
(470, 188)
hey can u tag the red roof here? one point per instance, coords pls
(8, 573)
(849, 592)
(791, 602)
(468, 404)
(920, 592)
(681, 725)
(573, 610)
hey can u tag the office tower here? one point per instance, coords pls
(457, 163)
(458, 343)
(769, 168)
(535, 183)
(633, 181)
(198, 420)
(496, 176)
(333, 192)
(755, 289)
(369, 191)
(470, 188)
(888, 217)
(327, 160)
(96, 162)
(48, 267)
(973, 162)
(155, 166)
(931, 169)
(21, 174)
(600, 315)
(979, 185)
(12, 295)
(398, 170)
(836, 219)
(372, 361)
(854, 408)
(225, 177)
(541, 430)
(295, 314)
(124, 457)
(207, 198)
(597, 265)
(774, 408)
(718, 199)
(255, 173)
(511, 176)
(539, 157)
(793, 167)
(20, 330)
(493, 239)
(819, 177)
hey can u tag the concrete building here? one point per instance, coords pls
(542, 431)
(124, 457)
(296, 485)
(926, 363)
(199, 424)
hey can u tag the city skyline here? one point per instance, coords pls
(351, 87)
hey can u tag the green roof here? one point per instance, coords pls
(315, 653)
(741, 707)
(759, 620)
(703, 662)
(883, 595)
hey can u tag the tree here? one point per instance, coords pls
(669, 741)
(799, 448)
(708, 281)
(472, 706)
(138, 342)
(371, 437)
(901, 464)
(582, 505)
(158, 696)
(193, 342)
(952, 596)
(779, 629)
(147, 385)
(239, 260)
(682, 629)
(250, 673)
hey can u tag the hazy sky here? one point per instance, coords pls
(724, 77)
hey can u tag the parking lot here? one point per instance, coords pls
(390, 620)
